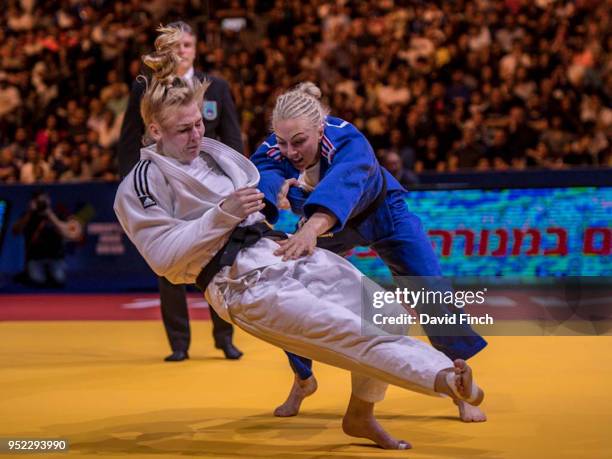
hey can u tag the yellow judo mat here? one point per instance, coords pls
(104, 387)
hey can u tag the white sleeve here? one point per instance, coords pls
(170, 246)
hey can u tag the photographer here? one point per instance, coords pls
(44, 234)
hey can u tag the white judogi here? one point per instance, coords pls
(310, 306)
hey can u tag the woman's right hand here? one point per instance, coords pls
(244, 202)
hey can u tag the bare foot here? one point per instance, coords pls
(470, 413)
(301, 389)
(457, 383)
(359, 421)
(466, 388)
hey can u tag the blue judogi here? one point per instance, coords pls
(350, 181)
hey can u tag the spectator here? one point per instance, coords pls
(10, 99)
(499, 153)
(35, 169)
(45, 136)
(20, 145)
(77, 171)
(469, 151)
(555, 137)
(102, 164)
(405, 152)
(95, 121)
(521, 136)
(109, 130)
(539, 156)
(393, 163)
(395, 92)
(447, 133)
(9, 171)
(430, 159)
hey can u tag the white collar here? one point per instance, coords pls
(189, 74)
(237, 167)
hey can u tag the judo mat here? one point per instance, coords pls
(101, 385)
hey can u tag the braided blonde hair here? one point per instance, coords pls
(166, 91)
(304, 100)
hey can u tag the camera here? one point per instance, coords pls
(40, 202)
(41, 205)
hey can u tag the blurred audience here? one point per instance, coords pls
(443, 86)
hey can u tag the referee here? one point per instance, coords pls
(221, 123)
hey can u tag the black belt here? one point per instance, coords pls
(242, 237)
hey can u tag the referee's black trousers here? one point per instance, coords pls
(176, 318)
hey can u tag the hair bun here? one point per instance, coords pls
(164, 61)
(309, 88)
(163, 66)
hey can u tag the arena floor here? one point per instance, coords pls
(101, 385)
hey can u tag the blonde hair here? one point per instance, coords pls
(166, 91)
(304, 100)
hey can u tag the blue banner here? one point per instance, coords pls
(507, 232)
(527, 232)
(105, 260)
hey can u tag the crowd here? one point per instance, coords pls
(434, 85)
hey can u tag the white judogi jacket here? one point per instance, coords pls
(175, 221)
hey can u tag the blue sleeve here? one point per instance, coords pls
(343, 187)
(297, 198)
(272, 173)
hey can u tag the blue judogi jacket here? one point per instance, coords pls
(350, 177)
(350, 180)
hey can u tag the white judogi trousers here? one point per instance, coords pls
(312, 307)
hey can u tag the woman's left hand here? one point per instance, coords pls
(300, 244)
(281, 199)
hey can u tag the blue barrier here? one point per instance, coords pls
(104, 260)
(553, 231)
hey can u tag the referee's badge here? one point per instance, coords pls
(210, 110)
